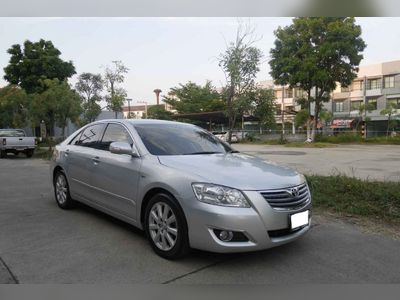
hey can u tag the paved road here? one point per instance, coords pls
(375, 162)
(39, 243)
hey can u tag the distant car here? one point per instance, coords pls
(223, 136)
(15, 141)
(181, 185)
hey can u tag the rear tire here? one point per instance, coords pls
(166, 227)
(61, 191)
(3, 154)
(29, 153)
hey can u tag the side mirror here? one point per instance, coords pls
(123, 148)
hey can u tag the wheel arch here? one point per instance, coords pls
(149, 194)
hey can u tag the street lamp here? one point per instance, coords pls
(129, 107)
(145, 106)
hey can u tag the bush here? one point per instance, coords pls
(348, 137)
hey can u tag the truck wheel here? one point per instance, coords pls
(61, 191)
(29, 153)
(3, 154)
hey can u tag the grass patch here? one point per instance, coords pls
(352, 196)
(42, 153)
(354, 138)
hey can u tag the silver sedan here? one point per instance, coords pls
(182, 185)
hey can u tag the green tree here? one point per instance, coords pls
(113, 76)
(13, 107)
(264, 107)
(315, 53)
(301, 118)
(34, 62)
(158, 112)
(390, 110)
(89, 87)
(56, 105)
(193, 98)
(240, 63)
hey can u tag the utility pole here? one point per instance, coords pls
(129, 107)
(365, 107)
(283, 110)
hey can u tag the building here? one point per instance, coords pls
(376, 85)
(139, 111)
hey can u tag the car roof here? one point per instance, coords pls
(143, 121)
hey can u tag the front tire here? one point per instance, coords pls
(166, 227)
(61, 191)
(3, 154)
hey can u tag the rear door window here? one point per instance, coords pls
(90, 136)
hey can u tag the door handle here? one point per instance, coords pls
(96, 160)
(66, 153)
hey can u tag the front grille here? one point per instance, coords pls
(288, 198)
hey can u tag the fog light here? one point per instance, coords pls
(225, 236)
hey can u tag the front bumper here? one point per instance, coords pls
(263, 226)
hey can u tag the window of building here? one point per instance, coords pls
(373, 84)
(298, 93)
(344, 89)
(288, 93)
(372, 103)
(338, 106)
(278, 94)
(357, 85)
(355, 105)
(389, 81)
(395, 102)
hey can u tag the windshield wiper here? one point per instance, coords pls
(202, 152)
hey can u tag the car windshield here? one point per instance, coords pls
(179, 139)
(11, 133)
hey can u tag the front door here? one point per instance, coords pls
(115, 176)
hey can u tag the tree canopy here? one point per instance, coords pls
(13, 107)
(89, 87)
(34, 62)
(158, 112)
(56, 105)
(114, 75)
(315, 53)
(192, 98)
(240, 63)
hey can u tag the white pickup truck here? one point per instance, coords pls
(15, 141)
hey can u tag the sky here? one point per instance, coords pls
(163, 52)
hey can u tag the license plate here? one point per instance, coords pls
(299, 219)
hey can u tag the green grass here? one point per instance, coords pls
(352, 196)
(42, 153)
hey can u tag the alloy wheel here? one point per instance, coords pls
(163, 226)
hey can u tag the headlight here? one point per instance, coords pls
(219, 195)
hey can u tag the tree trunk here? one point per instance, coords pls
(316, 115)
(309, 117)
(387, 128)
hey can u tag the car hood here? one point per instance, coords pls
(235, 170)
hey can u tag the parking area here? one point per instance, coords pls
(40, 243)
(374, 162)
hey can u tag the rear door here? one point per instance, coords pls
(79, 156)
(115, 176)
